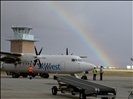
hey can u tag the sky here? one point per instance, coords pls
(100, 30)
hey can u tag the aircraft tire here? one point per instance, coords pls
(54, 77)
(54, 90)
(84, 77)
(15, 75)
(45, 75)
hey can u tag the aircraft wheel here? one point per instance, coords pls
(54, 77)
(15, 75)
(84, 77)
(82, 95)
(44, 75)
(54, 90)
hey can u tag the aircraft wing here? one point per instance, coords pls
(11, 54)
(10, 57)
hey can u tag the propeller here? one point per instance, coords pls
(38, 57)
(72, 54)
(67, 52)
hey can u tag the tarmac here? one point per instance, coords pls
(40, 88)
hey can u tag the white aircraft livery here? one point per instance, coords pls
(17, 64)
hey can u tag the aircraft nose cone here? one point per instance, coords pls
(91, 66)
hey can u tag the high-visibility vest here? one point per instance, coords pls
(30, 69)
(94, 71)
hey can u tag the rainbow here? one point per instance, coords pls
(85, 37)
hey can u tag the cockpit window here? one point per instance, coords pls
(74, 60)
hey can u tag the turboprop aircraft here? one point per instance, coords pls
(17, 64)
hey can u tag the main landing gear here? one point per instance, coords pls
(44, 75)
(17, 75)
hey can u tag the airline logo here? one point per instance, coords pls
(48, 66)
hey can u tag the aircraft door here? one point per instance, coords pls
(62, 66)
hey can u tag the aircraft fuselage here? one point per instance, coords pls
(64, 64)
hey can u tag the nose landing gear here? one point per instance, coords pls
(84, 76)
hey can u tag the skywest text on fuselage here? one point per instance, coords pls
(48, 66)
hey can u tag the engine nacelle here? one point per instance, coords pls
(11, 60)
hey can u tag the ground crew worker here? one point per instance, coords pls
(101, 73)
(30, 71)
(94, 73)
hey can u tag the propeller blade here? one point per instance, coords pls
(35, 61)
(40, 51)
(38, 57)
(66, 51)
(36, 50)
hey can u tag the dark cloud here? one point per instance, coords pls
(109, 23)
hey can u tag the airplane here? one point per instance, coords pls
(17, 64)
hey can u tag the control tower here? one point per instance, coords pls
(23, 41)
